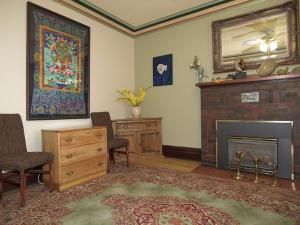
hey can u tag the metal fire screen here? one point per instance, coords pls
(265, 149)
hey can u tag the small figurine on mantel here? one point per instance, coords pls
(282, 71)
(200, 71)
(240, 65)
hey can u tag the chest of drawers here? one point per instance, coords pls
(79, 155)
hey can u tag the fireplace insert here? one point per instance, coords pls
(271, 141)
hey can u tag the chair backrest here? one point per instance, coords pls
(12, 139)
(103, 119)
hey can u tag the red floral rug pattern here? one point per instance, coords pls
(165, 210)
(48, 208)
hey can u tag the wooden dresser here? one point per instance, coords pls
(79, 155)
(144, 134)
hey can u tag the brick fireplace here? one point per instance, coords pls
(276, 98)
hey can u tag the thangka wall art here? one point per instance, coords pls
(162, 70)
(58, 61)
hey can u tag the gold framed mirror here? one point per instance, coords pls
(256, 36)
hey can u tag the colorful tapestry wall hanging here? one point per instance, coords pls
(162, 70)
(58, 51)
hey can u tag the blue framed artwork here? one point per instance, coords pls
(162, 70)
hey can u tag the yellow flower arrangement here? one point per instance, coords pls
(133, 98)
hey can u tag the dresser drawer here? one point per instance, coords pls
(78, 170)
(137, 126)
(71, 155)
(81, 137)
(151, 125)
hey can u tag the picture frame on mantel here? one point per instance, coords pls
(58, 66)
(257, 36)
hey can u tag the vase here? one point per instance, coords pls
(136, 112)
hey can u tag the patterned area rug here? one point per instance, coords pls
(149, 196)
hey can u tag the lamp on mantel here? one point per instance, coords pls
(200, 71)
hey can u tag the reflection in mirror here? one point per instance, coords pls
(257, 36)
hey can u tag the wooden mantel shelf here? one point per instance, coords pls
(249, 79)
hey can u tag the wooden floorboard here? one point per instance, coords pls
(158, 160)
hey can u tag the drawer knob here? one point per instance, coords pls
(100, 163)
(70, 173)
(148, 124)
(69, 156)
(99, 149)
(125, 126)
(69, 140)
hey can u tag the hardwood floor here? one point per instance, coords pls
(157, 160)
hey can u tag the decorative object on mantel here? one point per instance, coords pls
(282, 71)
(266, 68)
(296, 70)
(240, 65)
(249, 79)
(163, 70)
(134, 99)
(200, 71)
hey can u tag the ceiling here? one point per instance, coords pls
(139, 16)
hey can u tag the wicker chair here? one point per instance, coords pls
(115, 144)
(15, 158)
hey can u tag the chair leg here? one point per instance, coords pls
(127, 156)
(113, 156)
(1, 184)
(22, 187)
(50, 178)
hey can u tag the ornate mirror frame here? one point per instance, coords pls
(241, 31)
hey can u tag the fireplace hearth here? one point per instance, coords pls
(271, 141)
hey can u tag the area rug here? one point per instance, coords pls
(152, 196)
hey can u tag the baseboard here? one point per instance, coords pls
(208, 163)
(182, 152)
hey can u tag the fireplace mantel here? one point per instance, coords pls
(249, 79)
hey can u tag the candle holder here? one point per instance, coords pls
(275, 169)
(238, 156)
(256, 161)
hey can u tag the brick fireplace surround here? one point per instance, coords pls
(279, 100)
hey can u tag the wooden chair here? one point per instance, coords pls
(115, 144)
(14, 156)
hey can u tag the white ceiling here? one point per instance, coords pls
(139, 12)
(140, 16)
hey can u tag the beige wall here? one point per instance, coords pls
(179, 104)
(112, 67)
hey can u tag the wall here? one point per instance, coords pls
(111, 67)
(179, 104)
